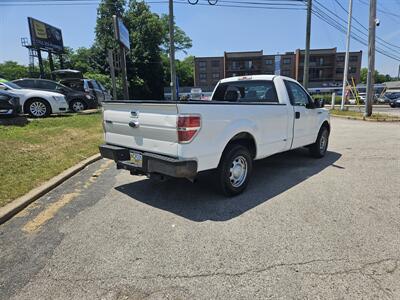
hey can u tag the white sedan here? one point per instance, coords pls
(37, 103)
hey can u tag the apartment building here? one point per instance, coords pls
(326, 66)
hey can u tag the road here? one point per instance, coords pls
(304, 229)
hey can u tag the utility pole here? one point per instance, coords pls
(398, 74)
(172, 50)
(346, 61)
(112, 73)
(371, 58)
(307, 50)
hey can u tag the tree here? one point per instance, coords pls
(11, 70)
(145, 69)
(182, 41)
(378, 78)
(104, 30)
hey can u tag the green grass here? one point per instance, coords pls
(360, 114)
(32, 154)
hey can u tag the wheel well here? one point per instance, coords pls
(32, 99)
(245, 139)
(326, 124)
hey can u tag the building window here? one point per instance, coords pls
(340, 58)
(235, 65)
(321, 61)
(287, 61)
(353, 58)
(215, 75)
(352, 70)
(248, 64)
(203, 76)
(202, 66)
(285, 72)
(269, 62)
(339, 70)
(215, 63)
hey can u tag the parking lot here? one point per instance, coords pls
(304, 229)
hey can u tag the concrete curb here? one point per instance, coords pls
(389, 120)
(11, 209)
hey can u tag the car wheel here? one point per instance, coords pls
(38, 108)
(78, 105)
(234, 170)
(392, 105)
(318, 149)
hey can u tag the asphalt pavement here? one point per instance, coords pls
(304, 229)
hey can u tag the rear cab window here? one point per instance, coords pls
(250, 91)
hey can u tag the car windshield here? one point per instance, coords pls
(11, 85)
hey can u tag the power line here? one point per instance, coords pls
(332, 22)
(364, 27)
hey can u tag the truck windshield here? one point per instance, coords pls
(246, 91)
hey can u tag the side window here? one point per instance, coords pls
(296, 94)
(47, 85)
(95, 85)
(26, 83)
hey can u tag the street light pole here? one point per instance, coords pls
(371, 58)
(346, 62)
(307, 50)
(172, 50)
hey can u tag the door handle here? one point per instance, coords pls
(297, 115)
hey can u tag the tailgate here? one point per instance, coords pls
(147, 127)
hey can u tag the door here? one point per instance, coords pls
(97, 90)
(305, 115)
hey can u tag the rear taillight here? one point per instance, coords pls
(188, 126)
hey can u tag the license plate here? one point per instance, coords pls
(136, 159)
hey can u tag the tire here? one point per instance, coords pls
(38, 108)
(318, 149)
(392, 105)
(233, 182)
(78, 105)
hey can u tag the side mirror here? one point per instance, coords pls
(319, 103)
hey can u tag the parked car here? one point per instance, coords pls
(248, 118)
(77, 100)
(74, 79)
(9, 104)
(37, 103)
(91, 86)
(394, 98)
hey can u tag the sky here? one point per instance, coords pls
(213, 29)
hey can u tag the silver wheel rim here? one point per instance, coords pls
(38, 109)
(78, 106)
(238, 171)
(323, 142)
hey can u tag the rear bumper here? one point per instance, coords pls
(152, 163)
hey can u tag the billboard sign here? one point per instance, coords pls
(45, 36)
(121, 32)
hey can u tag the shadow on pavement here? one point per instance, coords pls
(201, 202)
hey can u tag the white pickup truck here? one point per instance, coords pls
(248, 118)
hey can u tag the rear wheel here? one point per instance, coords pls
(318, 149)
(78, 105)
(234, 170)
(38, 108)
